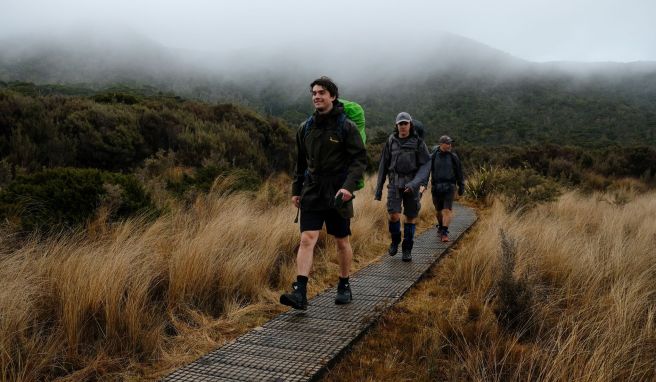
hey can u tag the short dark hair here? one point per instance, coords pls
(327, 84)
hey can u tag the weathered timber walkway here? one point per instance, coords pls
(299, 345)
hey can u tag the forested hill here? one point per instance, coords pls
(525, 110)
(116, 130)
(64, 159)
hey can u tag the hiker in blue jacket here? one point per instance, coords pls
(446, 173)
(405, 161)
(331, 160)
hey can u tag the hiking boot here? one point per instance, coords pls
(344, 295)
(297, 299)
(444, 236)
(406, 249)
(393, 249)
(406, 255)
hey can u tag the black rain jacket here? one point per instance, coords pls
(329, 157)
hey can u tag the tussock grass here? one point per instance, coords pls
(137, 299)
(565, 291)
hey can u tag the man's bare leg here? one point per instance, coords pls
(305, 253)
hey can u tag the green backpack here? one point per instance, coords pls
(355, 113)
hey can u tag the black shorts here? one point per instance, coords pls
(335, 224)
(443, 201)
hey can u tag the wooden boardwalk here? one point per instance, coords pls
(299, 345)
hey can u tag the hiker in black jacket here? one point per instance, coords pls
(331, 159)
(446, 173)
(405, 161)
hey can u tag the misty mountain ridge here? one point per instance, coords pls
(80, 56)
(457, 86)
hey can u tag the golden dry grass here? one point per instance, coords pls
(570, 296)
(135, 300)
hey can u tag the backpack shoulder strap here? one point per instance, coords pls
(433, 154)
(341, 125)
(454, 160)
(307, 125)
(390, 141)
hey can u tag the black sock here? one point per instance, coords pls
(343, 281)
(302, 281)
(445, 228)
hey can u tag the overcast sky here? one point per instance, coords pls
(535, 30)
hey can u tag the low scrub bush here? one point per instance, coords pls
(66, 197)
(521, 188)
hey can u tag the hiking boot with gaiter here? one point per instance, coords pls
(406, 250)
(394, 246)
(297, 299)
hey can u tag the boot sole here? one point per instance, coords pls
(340, 302)
(285, 301)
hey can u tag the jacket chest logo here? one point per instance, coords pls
(334, 140)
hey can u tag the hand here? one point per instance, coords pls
(346, 195)
(296, 200)
(408, 190)
(422, 188)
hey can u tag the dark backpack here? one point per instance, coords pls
(419, 128)
(451, 177)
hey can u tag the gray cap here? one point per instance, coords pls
(403, 117)
(445, 139)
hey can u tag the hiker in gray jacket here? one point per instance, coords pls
(446, 173)
(405, 161)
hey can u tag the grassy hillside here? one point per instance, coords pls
(564, 292)
(132, 300)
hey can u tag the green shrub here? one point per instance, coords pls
(524, 188)
(67, 197)
(521, 188)
(113, 97)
